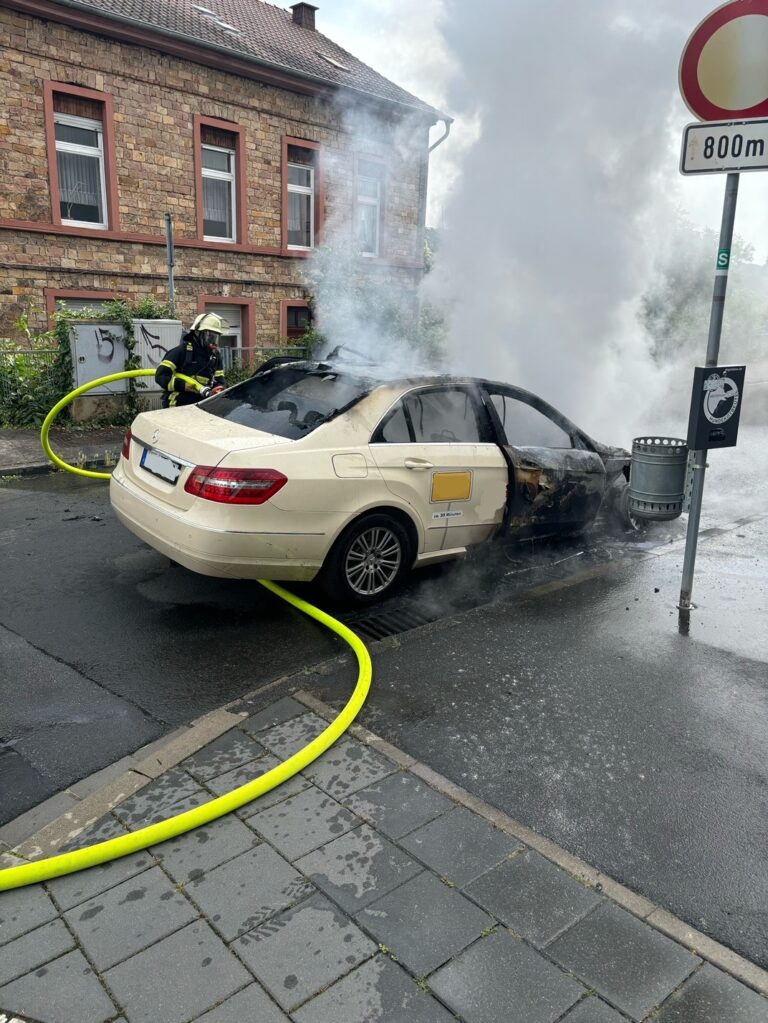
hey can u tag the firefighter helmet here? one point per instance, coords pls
(209, 321)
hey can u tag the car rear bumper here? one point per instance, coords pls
(221, 553)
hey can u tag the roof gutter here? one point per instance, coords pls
(47, 9)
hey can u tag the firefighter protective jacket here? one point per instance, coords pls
(193, 359)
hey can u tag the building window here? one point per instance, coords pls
(80, 305)
(80, 163)
(81, 157)
(369, 179)
(219, 169)
(301, 198)
(78, 125)
(239, 313)
(298, 320)
(230, 343)
(77, 301)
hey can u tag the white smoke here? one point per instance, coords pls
(369, 306)
(558, 217)
(551, 229)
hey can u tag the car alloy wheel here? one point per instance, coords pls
(368, 561)
(373, 560)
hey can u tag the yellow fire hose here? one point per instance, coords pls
(45, 429)
(114, 848)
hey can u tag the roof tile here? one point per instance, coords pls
(261, 32)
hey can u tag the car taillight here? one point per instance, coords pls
(234, 486)
(127, 446)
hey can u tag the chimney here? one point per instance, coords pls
(304, 15)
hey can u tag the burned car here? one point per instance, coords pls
(317, 470)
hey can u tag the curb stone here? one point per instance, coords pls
(48, 468)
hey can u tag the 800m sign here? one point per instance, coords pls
(715, 147)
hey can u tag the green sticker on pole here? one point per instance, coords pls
(723, 258)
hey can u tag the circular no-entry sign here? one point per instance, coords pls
(724, 69)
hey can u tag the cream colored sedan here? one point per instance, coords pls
(317, 470)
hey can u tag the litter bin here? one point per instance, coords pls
(657, 477)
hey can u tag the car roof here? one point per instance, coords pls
(377, 377)
(393, 386)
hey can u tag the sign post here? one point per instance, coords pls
(726, 88)
(713, 350)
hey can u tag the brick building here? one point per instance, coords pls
(241, 120)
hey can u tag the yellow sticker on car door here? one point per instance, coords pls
(451, 486)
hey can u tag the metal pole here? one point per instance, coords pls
(713, 351)
(171, 262)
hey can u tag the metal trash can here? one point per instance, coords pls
(657, 477)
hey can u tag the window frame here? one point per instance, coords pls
(294, 189)
(54, 295)
(247, 319)
(108, 162)
(485, 432)
(93, 153)
(240, 186)
(578, 439)
(317, 195)
(367, 201)
(215, 175)
(285, 305)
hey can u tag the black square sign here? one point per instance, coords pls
(715, 407)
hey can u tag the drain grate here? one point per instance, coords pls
(377, 624)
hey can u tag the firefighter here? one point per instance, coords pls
(197, 357)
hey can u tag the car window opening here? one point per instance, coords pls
(524, 425)
(289, 401)
(446, 416)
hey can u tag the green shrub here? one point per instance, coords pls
(35, 373)
(27, 385)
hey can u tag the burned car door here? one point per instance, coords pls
(434, 451)
(558, 480)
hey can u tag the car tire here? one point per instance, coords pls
(368, 561)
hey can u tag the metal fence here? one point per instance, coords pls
(24, 363)
(29, 385)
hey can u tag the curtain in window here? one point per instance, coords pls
(217, 207)
(299, 211)
(369, 216)
(80, 188)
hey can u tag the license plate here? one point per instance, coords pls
(160, 465)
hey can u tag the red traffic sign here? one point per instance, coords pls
(723, 69)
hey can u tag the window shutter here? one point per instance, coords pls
(64, 103)
(297, 154)
(217, 137)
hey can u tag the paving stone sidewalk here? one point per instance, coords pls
(354, 893)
